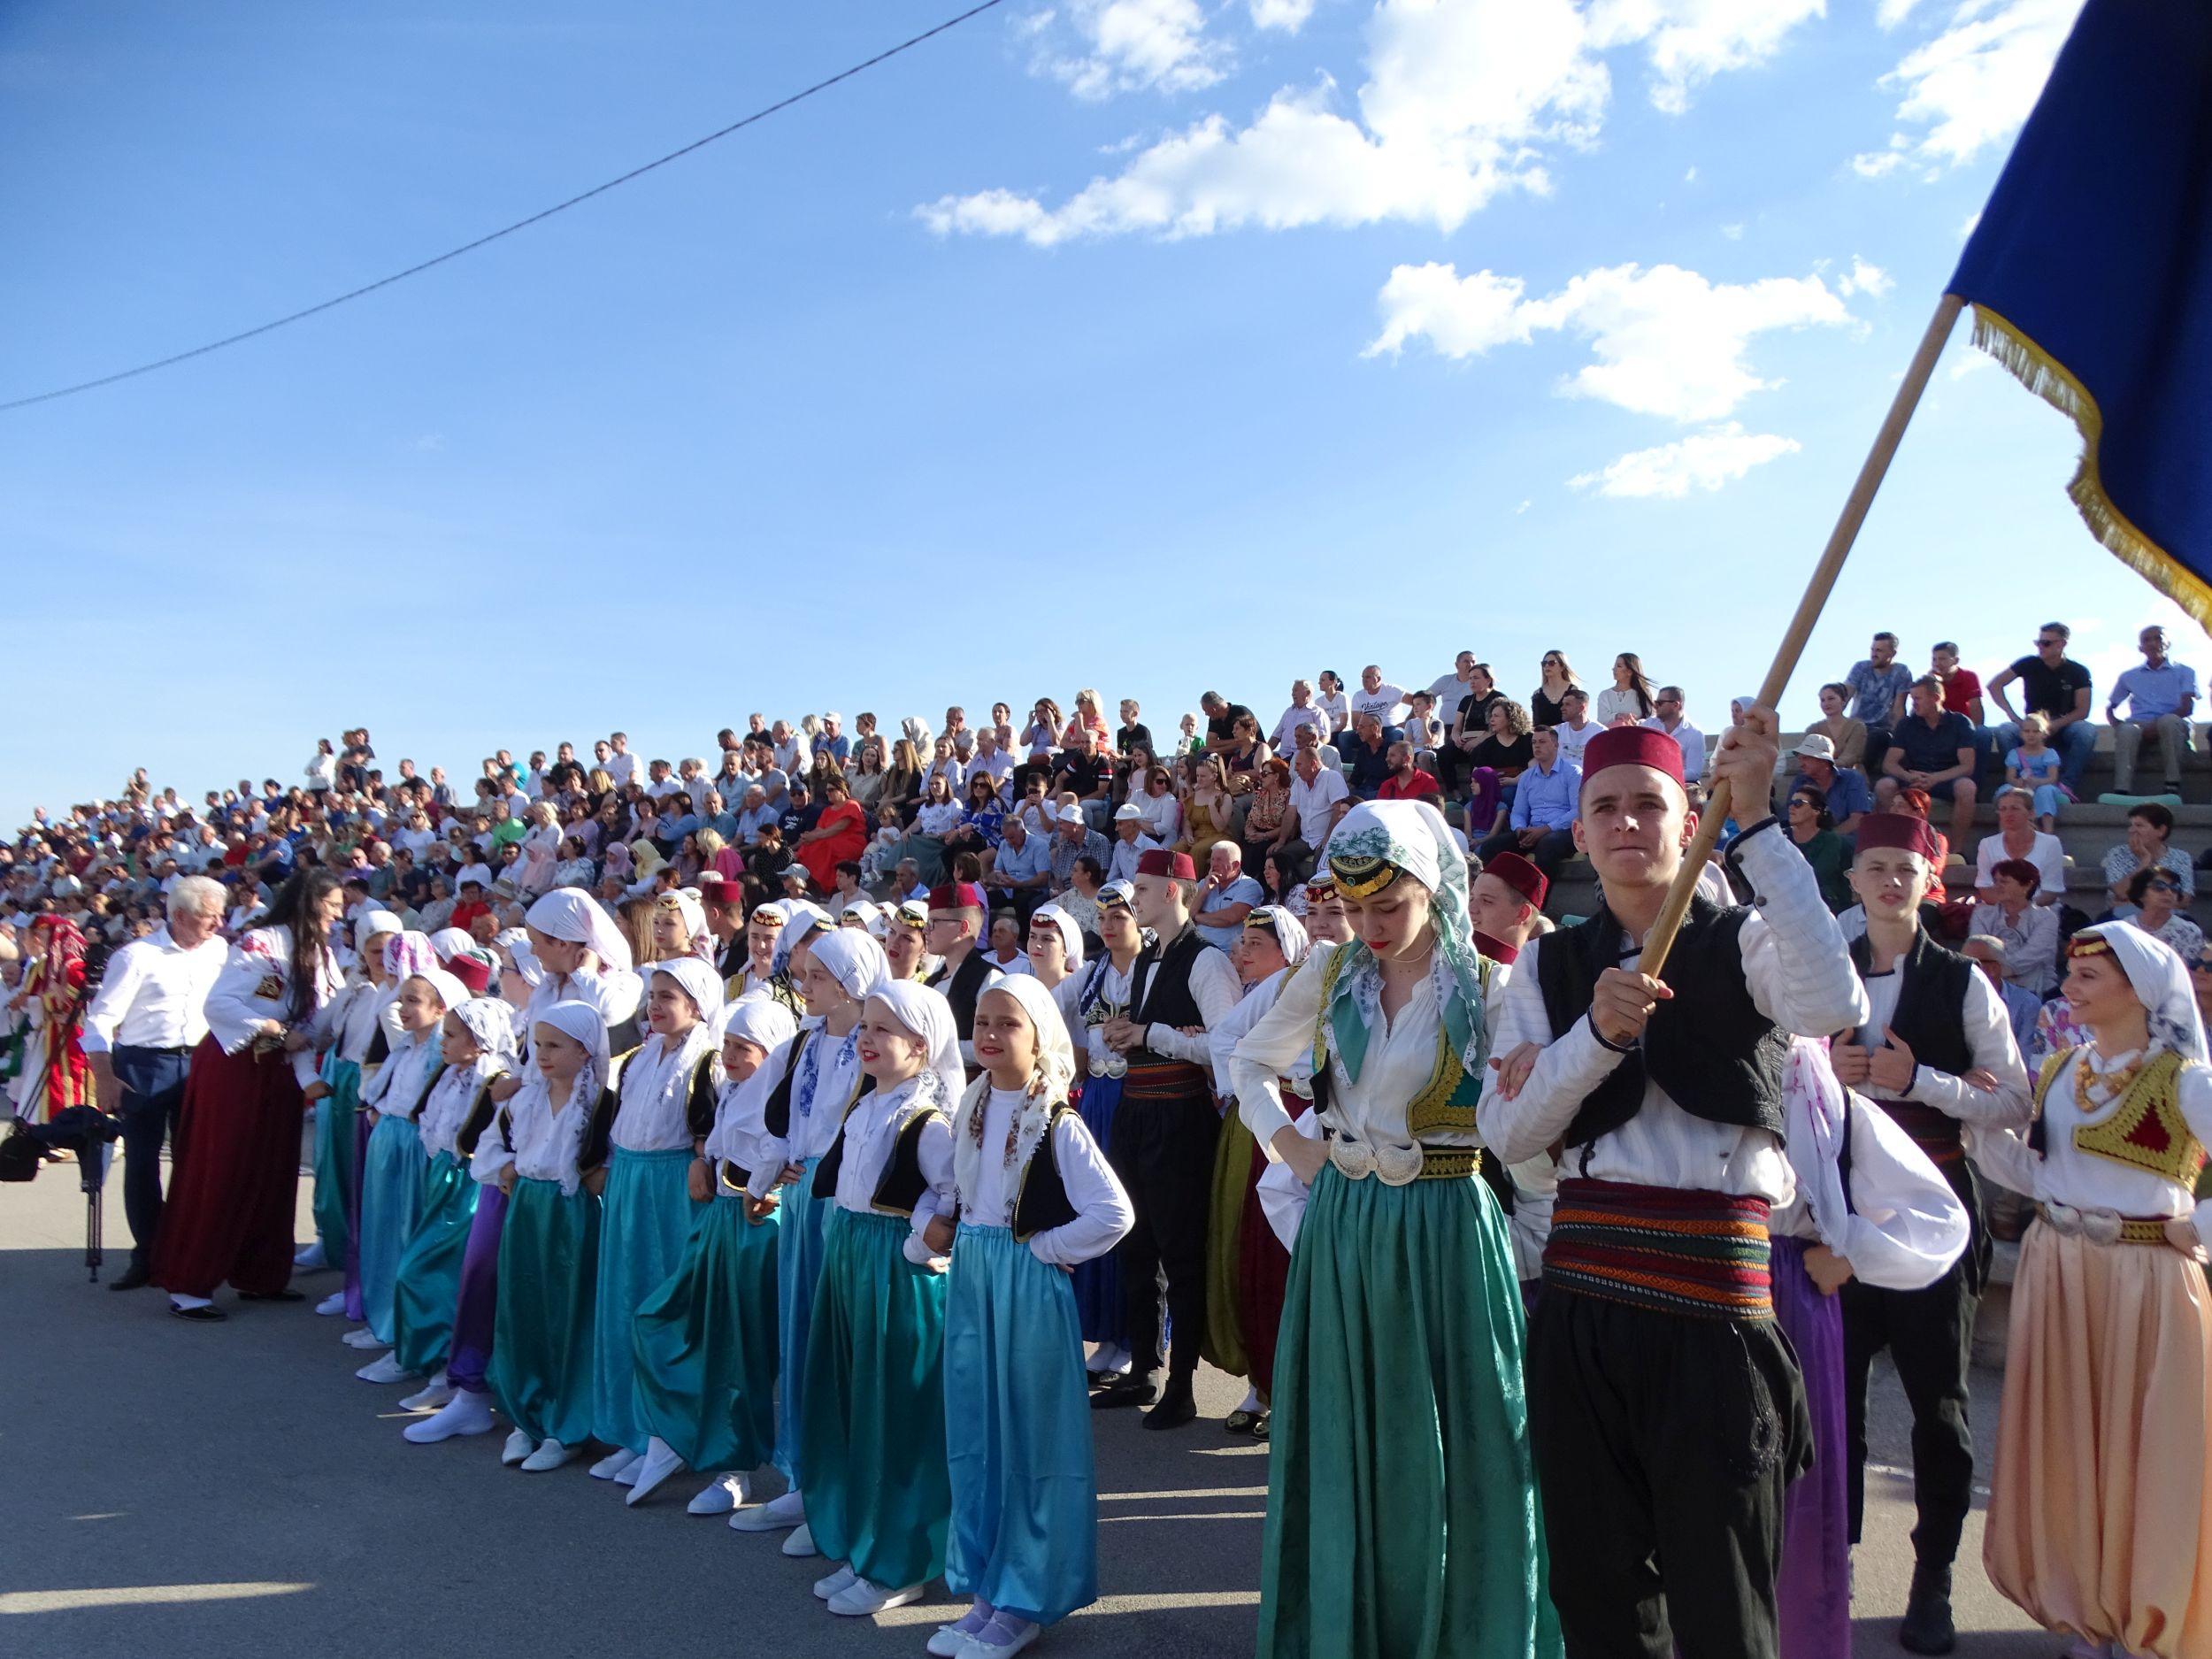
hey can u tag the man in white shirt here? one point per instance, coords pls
(140, 1030)
(1318, 797)
(1377, 696)
(620, 764)
(1447, 692)
(1669, 720)
(1131, 843)
(1300, 712)
(1577, 727)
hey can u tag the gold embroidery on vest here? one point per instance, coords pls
(2148, 1130)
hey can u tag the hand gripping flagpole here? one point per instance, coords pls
(1661, 939)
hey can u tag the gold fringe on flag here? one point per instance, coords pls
(2050, 379)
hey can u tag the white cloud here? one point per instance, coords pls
(1663, 342)
(1136, 46)
(1971, 86)
(1464, 99)
(1288, 15)
(1691, 176)
(1704, 460)
(1863, 278)
(1734, 233)
(1889, 13)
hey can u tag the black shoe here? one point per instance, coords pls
(1238, 1422)
(1177, 1407)
(1927, 1627)
(1260, 1425)
(286, 1294)
(200, 1316)
(1137, 1389)
(134, 1278)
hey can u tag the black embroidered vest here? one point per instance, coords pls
(1041, 1203)
(1159, 986)
(902, 1184)
(1930, 1014)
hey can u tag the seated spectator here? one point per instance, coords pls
(1365, 752)
(2033, 765)
(1225, 897)
(1932, 749)
(1878, 684)
(1221, 720)
(2161, 695)
(1328, 696)
(1209, 815)
(1269, 806)
(1131, 843)
(1629, 699)
(1670, 720)
(1404, 780)
(1812, 828)
(1467, 727)
(1546, 803)
(906, 886)
(1076, 840)
(2022, 1005)
(1004, 951)
(2057, 688)
(1085, 774)
(1421, 727)
(2148, 846)
(2017, 837)
(1303, 712)
(1576, 728)
(1844, 794)
(1246, 753)
(2028, 931)
(1378, 697)
(2157, 898)
(1495, 762)
(1019, 872)
(1318, 799)
(1163, 812)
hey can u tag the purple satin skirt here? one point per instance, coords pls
(1814, 1590)
(476, 1307)
(356, 1310)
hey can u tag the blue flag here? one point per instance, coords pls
(2091, 278)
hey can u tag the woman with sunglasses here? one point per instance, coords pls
(2159, 897)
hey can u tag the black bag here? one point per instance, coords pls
(20, 1155)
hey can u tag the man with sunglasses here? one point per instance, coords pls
(2057, 688)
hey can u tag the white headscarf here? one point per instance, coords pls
(697, 939)
(1055, 1064)
(1071, 935)
(928, 1015)
(802, 918)
(368, 923)
(527, 967)
(765, 1023)
(492, 1023)
(863, 913)
(2161, 982)
(403, 1082)
(1290, 933)
(573, 914)
(449, 943)
(701, 983)
(580, 1021)
(853, 959)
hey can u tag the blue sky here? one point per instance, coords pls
(1147, 345)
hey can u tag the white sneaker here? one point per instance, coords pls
(983, 1648)
(645, 1475)
(718, 1496)
(309, 1258)
(465, 1413)
(612, 1464)
(551, 1455)
(863, 1598)
(361, 1336)
(825, 1588)
(334, 1302)
(801, 1543)
(430, 1396)
(387, 1369)
(518, 1446)
(772, 1516)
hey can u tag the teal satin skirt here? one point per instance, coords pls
(430, 1266)
(336, 1169)
(542, 1336)
(706, 1343)
(799, 1251)
(391, 1202)
(873, 1434)
(646, 1216)
(1018, 1432)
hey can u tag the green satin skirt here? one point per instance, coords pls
(337, 1171)
(541, 1342)
(872, 1433)
(1402, 1520)
(430, 1266)
(705, 1343)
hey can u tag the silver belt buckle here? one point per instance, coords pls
(1355, 1160)
(1399, 1166)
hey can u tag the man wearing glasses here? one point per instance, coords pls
(2055, 687)
(1669, 720)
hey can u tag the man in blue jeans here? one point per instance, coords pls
(2057, 688)
(139, 1034)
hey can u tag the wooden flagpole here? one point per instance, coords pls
(1661, 940)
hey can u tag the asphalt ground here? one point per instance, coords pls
(177, 1490)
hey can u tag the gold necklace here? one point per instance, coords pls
(2100, 1089)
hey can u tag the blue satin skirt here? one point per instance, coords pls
(391, 1203)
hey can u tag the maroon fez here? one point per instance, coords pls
(1898, 829)
(472, 971)
(956, 895)
(1632, 746)
(1496, 950)
(1519, 874)
(1161, 862)
(714, 890)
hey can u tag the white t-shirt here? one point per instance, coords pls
(1314, 803)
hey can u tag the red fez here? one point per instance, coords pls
(1519, 874)
(1898, 829)
(714, 890)
(956, 895)
(1496, 950)
(1632, 746)
(472, 971)
(1161, 862)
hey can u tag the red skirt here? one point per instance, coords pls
(234, 1185)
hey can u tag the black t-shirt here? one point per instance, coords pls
(1521, 752)
(1920, 748)
(1543, 711)
(1474, 713)
(1224, 725)
(1137, 736)
(2048, 690)
(1364, 768)
(1083, 773)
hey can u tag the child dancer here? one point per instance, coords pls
(667, 1106)
(1105, 996)
(545, 1142)
(476, 1043)
(872, 1431)
(346, 1029)
(392, 1172)
(839, 972)
(1037, 1196)
(706, 1339)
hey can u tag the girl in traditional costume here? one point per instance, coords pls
(1105, 996)
(2100, 1501)
(872, 1431)
(667, 1108)
(547, 1142)
(392, 1171)
(346, 1031)
(1402, 1518)
(706, 1339)
(1037, 1197)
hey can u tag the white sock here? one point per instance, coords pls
(176, 1301)
(1251, 1399)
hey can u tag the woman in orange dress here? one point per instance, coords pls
(840, 834)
